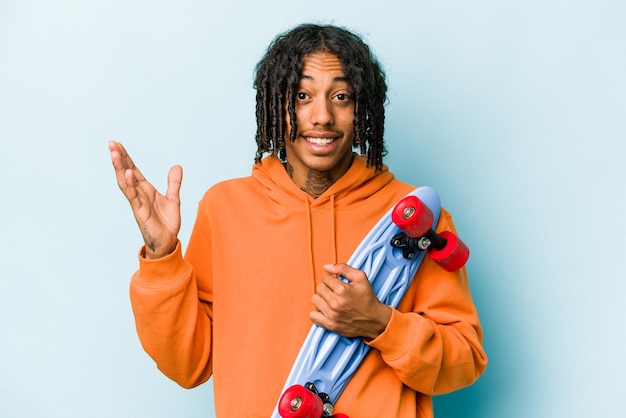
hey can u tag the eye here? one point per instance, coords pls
(342, 99)
(301, 96)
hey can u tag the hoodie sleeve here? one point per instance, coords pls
(434, 339)
(171, 299)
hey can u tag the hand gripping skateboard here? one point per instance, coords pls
(389, 255)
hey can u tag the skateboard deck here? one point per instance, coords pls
(328, 360)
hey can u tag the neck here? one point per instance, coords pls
(315, 183)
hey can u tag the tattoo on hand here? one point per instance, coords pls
(150, 242)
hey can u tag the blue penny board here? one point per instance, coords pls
(329, 360)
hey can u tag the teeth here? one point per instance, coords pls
(320, 141)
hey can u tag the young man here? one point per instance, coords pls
(265, 252)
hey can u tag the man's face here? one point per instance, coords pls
(324, 116)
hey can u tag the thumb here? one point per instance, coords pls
(344, 271)
(174, 181)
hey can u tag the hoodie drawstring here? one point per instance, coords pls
(332, 231)
(310, 231)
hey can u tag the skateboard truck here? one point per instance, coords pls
(410, 245)
(327, 406)
(416, 221)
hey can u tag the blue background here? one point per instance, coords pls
(513, 111)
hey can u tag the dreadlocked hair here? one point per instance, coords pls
(278, 75)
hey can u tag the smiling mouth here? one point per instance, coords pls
(320, 141)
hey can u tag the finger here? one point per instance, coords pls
(174, 181)
(324, 315)
(333, 285)
(119, 156)
(130, 183)
(121, 161)
(344, 271)
(317, 318)
(319, 303)
(319, 314)
(127, 174)
(116, 160)
(328, 288)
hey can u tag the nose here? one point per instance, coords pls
(322, 112)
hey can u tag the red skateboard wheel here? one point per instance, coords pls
(412, 216)
(453, 255)
(299, 402)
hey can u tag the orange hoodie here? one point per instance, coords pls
(237, 306)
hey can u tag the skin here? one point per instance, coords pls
(320, 155)
(322, 150)
(157, 215)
